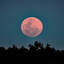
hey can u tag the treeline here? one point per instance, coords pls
(36, 54)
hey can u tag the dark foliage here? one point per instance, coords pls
(36, 54)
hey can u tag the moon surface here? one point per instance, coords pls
(31, 27)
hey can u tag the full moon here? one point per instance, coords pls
(31, 27)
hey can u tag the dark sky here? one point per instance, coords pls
(50, 12)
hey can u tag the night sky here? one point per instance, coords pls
(50, 12)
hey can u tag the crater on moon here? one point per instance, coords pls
(31, 27)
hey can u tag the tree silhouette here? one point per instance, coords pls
(48, 45)
(41, 46)
(36, 44)
(31, 47)
(37, 54)
(2, 48)
(14, 47)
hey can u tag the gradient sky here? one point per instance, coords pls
(50, 12)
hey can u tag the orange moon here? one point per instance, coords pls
(31, 26)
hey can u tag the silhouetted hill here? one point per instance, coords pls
(36, 54)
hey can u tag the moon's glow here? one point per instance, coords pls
(31, 26)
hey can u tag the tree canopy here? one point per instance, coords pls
(35, 54)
